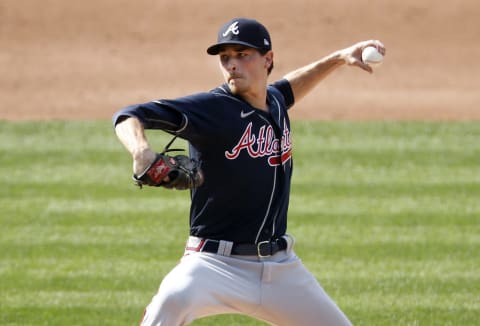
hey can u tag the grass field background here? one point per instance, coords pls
(386, 215)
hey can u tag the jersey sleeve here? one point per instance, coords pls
(153, 115)
(190, 117)
(283, 86)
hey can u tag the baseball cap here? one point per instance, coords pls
(242, 31)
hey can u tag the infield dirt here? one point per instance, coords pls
(84, 60)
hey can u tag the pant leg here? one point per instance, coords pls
(292, 296)
(203, 285)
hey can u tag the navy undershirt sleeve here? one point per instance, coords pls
(284, 87)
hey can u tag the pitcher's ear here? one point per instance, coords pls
(268, 59)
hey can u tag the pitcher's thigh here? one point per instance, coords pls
(172, 303)
(199, 286)
(296, 298)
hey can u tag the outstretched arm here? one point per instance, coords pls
(304, 79)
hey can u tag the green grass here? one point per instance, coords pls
(386, 215)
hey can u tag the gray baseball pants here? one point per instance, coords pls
(277, 289)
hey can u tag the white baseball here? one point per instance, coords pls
(371, 56)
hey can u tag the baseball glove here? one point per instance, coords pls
(182, 172)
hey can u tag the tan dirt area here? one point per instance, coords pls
(86, 59)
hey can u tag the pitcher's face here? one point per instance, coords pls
(244, 69)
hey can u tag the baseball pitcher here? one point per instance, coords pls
(238, 257)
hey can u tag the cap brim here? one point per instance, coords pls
(215, 49)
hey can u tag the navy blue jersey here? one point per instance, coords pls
(245, 155)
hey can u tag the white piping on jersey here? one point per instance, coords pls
(274, 186)
(278, 105)
(269, 206)
(184, 126)
(279, 117)
(230, 96)
(223, 89)
(279, 123)
(168, 122)
(227, 94)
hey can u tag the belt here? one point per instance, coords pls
(261, 249)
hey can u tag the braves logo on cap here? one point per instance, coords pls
(233, 28)
(253, 34)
